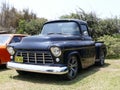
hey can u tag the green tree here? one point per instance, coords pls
(98, 26)
(31, 27)
(21, 27)
(10, 17)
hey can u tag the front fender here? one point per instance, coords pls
(70, 53)
(73, 53)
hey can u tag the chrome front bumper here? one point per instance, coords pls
(38, 68)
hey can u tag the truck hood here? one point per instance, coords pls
(48, 38)
(43, 41)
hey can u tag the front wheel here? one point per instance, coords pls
(72, 65)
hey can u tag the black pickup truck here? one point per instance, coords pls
(64, 47)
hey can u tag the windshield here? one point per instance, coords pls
(61, 28)
(3, 39)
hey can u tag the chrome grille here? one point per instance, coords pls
(35, 57)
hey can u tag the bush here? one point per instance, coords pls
(112, 44)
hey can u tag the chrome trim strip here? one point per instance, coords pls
(38, 68)
(35, 58)
(28, 57)
(20, 53)
(43, 58)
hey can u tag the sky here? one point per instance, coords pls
(53, 9)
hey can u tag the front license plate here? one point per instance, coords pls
(19, 59)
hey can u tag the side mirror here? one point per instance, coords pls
(91, 32)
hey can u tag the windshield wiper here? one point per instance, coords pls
(53, 33)
(50, 33)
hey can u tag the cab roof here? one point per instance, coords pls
(68, 20)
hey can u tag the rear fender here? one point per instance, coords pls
(99, 47)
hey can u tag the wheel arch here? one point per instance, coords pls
(100, 47)
(77, 54)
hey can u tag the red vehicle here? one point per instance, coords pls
(6, 39)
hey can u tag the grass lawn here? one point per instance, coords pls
(93, 78)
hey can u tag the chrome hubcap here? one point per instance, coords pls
(73, 66)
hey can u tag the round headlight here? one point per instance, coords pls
(11, 50)
(56, 51)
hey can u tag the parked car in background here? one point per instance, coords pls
(6, 39)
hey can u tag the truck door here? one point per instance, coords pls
(88, 50)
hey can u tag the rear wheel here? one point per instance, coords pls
(102, 58)
(72, 65)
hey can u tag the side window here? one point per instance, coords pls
(16, 39)
(84, 30)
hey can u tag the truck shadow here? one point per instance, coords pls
(56, 79)
(3, 68)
